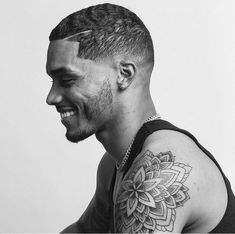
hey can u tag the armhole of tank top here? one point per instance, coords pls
(150, 127)
(226, 182)
(221, 171)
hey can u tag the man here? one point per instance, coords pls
(154, 177)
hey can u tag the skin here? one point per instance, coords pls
(98, 91)
(109, 94)
(84, 88)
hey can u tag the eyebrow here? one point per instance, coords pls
(58, 71)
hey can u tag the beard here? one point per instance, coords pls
(79, 135)
(95, 111)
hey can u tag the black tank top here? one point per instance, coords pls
(227, 223)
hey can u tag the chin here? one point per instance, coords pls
(76, 137)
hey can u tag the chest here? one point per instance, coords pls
(117, 185)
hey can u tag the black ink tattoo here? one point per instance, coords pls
(150, 193)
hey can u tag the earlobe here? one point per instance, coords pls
(127, 71)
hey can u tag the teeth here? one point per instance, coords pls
(66, 114)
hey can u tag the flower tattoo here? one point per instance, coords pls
(150, 193)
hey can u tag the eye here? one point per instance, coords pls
(67, 82)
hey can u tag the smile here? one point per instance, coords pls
(67, 114)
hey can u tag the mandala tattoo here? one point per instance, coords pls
(150, 194)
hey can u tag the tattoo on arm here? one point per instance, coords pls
(150, 194)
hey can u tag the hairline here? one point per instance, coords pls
(73, 38)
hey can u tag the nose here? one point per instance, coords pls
(54, 97)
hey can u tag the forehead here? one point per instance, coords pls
(61, 54)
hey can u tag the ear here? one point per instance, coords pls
(127, 72)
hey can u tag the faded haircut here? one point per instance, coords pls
(105, 30)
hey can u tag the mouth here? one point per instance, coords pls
(67, 114)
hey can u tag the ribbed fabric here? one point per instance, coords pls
(227, 223)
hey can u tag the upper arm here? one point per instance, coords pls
(151, 194)
(166, 189)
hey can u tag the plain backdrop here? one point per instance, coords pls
(47, 182)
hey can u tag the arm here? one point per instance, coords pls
(97, 216)
(168, 189)
(151, 194)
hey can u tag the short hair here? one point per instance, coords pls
(104, 30)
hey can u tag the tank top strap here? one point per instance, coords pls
(156, 125)
(146, 129)
(227, 223)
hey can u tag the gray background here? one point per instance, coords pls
(45, 181)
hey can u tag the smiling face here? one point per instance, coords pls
(81, 90)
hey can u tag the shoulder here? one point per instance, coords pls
(171, 185)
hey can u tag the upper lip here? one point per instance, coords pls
(65, 109)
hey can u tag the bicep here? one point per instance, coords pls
(154, 195)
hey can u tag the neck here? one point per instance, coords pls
(119, 133)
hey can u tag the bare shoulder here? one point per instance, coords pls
(170, 187)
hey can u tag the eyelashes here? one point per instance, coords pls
(67, 82)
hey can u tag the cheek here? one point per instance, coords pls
(84, 101)
(76, 94)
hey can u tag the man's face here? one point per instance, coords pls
(81, 90)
